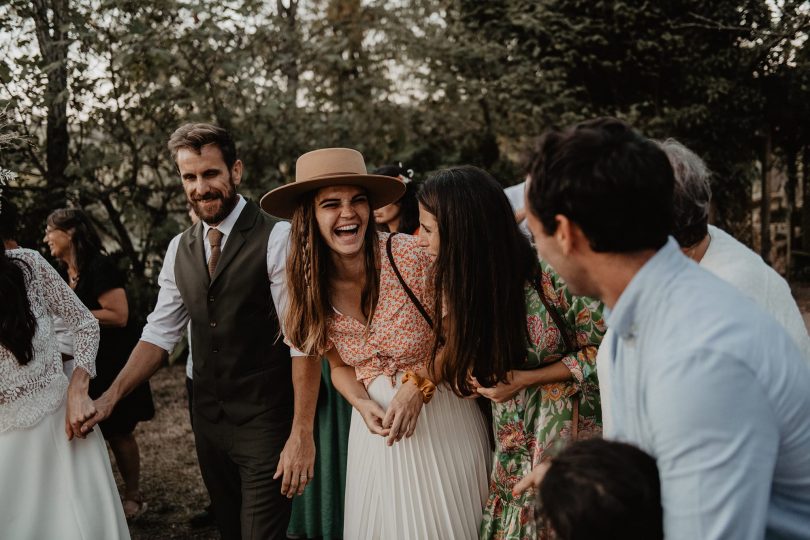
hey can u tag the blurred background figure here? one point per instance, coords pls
(98, 283)
(601, 489)
(720, 253)
(402, 215)
(517, 195)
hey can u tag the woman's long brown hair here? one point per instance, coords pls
(309, 265)
(481, 271)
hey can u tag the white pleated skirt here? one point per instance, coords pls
(58, 489)
(432, 485)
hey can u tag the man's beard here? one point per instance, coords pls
(228, 199)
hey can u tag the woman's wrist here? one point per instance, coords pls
(79, 381)
(520, 379)
(361, 402)
(422, 384)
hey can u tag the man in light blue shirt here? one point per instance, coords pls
(703, 379)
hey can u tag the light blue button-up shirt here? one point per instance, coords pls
(718, 393)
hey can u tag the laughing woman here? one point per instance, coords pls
(511, 323)
(417, 457)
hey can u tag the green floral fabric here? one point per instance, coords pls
(539, 420)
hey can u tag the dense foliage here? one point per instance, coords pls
(96, 87)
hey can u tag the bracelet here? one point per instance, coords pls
(422, 383)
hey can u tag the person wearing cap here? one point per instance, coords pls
(253, 406)
(418, 454)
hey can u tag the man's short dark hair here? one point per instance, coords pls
(195, 136)
(8, 219)
(602, 489)
(615, 184)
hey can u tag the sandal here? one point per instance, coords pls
(137, 506)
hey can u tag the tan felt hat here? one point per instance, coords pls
(331, 167)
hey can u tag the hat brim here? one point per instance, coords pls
(382, 190)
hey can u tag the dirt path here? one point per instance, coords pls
(170, 477)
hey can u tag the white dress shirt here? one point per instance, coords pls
(517, 195)
(734, 262)
(165, 325)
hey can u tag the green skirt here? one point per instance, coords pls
(318, 513)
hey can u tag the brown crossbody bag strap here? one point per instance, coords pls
(569, 343)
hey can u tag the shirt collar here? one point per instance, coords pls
(226, 225)
(660, 269)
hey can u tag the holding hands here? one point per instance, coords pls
(400, 418)
(79, 407)
(373, 415)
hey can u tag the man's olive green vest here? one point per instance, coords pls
(241, 366)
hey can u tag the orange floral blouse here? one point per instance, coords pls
(399, 338)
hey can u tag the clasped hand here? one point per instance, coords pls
(399, 420)
(502, 391)
(78, 410)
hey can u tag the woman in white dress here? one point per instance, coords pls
(418, 454)
(57, 483)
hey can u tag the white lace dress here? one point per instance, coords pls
(52, 488)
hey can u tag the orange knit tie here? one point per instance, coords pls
(214, 238)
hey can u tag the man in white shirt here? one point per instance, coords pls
(227, 276)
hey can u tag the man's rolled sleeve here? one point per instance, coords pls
(277, 248)
(165, 325)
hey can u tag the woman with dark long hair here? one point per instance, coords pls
(417, 454)
(98, 283)
(401, 215)
(512, 332)
(54, 487)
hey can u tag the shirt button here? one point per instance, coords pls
(212, 324)
(215, 350)
(210, 298)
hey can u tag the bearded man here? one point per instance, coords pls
(253, 405)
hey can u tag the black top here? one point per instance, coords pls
(100, 275)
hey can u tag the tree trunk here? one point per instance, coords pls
(51, 23)
(123, 234)
(806, 199)
(765, 201)
(791, 155)
(292, 48)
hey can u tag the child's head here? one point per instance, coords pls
(602, 489)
